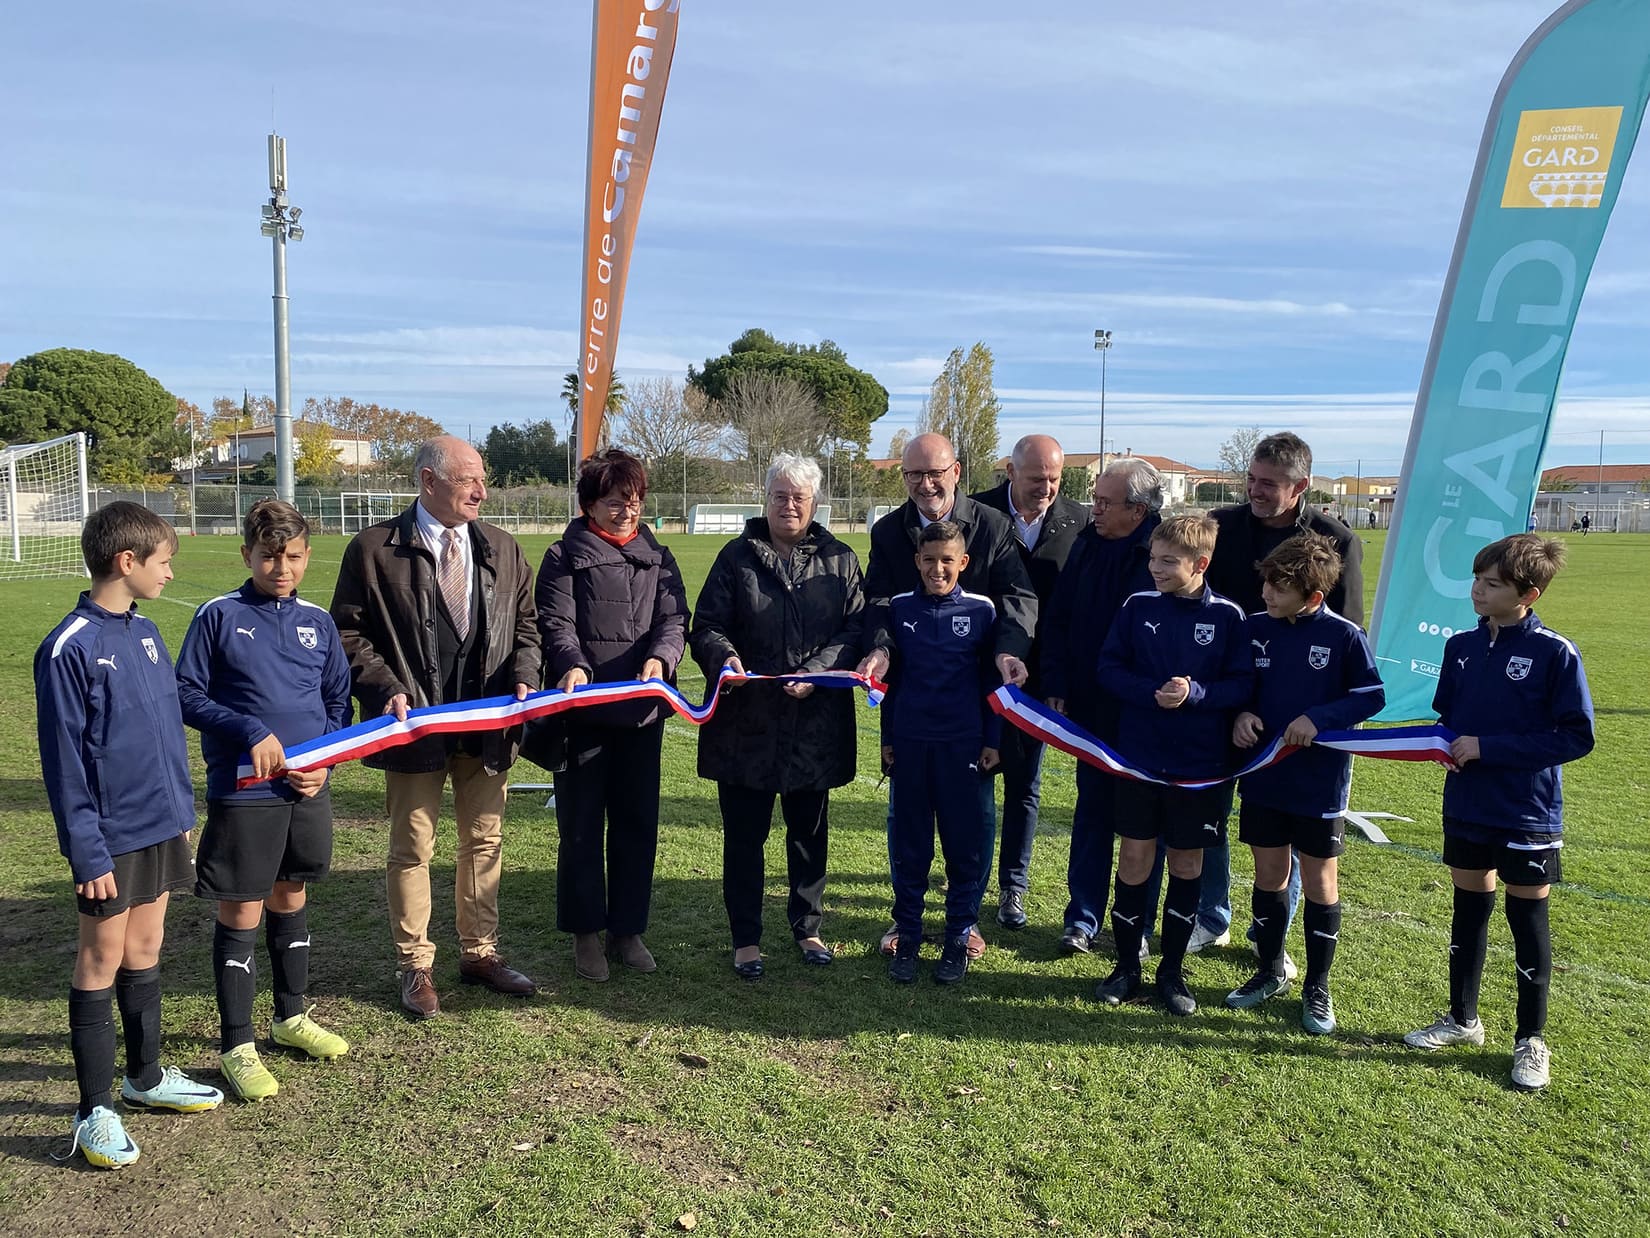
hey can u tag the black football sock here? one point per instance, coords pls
(1468, 938)
(1179, 915)
(1322, 925)
(288, 939)
(1271, 912)
(138, 995)
(1129, 917)
(92, 1042)
(1533, 956)
(232, 965)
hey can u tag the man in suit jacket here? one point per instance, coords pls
(1045, 526)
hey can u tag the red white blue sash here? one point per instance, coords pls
(496, 713)
(1402, 743)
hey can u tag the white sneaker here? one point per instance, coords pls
(1532, 1064)
(1202, 937)
(1290, 971)
(1446, 1031)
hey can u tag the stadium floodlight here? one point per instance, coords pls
(1102, 344)
(281, 225)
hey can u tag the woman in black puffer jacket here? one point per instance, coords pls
(782, 598)
(611, 607)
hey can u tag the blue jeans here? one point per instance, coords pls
(1022, 771)
(931, 792)
(1214, 908)
(1093, 838)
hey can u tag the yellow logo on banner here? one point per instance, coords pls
(1561, 157)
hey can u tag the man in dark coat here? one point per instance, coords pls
(1045, 526)
(436, 605)
(1280, 474)
(995, 570)
(1107, 564)
(783, 598)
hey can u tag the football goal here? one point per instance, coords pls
(729, 518)
(359, 508)
(43, 504)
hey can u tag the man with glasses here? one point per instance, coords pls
(1108, 562)
(1279, 476)
(436, 605)
(995, 569)
(1045, 526)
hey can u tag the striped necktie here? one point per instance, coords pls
(454, 588)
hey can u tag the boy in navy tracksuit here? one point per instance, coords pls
(1314, 671)
(939, 740)
(260, 670)
(116, 769)
(1178, 662)
(1515, 695)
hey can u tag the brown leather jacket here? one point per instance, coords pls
(384, 606)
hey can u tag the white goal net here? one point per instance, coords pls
(43, 504)
(358, 509)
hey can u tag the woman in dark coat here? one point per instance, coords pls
(611, 607)
(782, 598)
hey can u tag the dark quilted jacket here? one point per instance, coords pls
(608, 609)
(779, 619)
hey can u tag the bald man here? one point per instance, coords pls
(1046, 527)
(436, 605)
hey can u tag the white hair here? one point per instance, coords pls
(1144, 483)
(437, 456)
(798, 470)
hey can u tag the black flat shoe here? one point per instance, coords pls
(817, 956)
(748, 971)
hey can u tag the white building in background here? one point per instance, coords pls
(250, 446)
(1179, 479)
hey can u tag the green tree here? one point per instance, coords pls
(1077, 484)
(524, 454)
(962, 405)
(850, 398)
(65, 390)
(315, 459)
(570, 388)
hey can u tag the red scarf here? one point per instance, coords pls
(613, 539)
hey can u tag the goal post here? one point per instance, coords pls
(46, 501)
(357, 509)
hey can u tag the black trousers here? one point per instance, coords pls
(746, 818)
(607, 807)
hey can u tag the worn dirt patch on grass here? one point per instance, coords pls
(680, 1154)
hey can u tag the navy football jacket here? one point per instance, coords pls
(112, 747)
(943, 669)
(252, 665)
(1157, 637)
(1524, 695)
(1319, 665)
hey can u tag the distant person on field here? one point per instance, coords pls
(1177, 660)
(1515, 694)
(939, 742)
(1314, 671)
(1279, 477)
(1046, 527)
(262, 669)
(116, 767)
(1586, 522)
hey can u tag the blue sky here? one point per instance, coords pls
(1259, 201)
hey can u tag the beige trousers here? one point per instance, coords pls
(414, 805)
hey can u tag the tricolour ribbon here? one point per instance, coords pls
(1400, 743)
(497, 713)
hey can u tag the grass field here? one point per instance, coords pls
(832, 1101)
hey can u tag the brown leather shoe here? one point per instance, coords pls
(418, 993)
(492, 971)
(633, 950)
(589, 958)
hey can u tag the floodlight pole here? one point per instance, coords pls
(1102, 344)
(279, 223)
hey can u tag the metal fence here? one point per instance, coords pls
(210, 510)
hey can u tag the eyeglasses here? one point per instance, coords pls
(780, 498)
(921, 475)
(622, 505)
(1105, 505)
